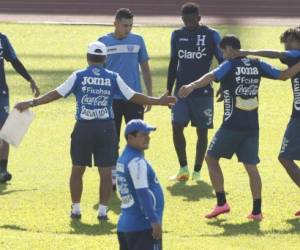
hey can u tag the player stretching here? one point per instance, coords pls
(290, 149)
(240, 80)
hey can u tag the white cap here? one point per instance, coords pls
(97, 48)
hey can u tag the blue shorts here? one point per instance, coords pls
(243, 143)
(198, 110)
(290, 147)
(140, 240)
(4, 109)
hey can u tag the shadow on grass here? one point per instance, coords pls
(230, 229)
(101, 228)
(13, 227)
(192, 193)
(114, 204)
(3, 187)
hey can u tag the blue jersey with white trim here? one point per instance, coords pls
(133, 173)
(6, 52)
(124, 56)
(292, 57)
(94, 88)
(240, 79)
(194, 51)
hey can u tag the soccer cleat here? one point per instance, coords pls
(75, 216)
(218, 210)
(256, 217)
(182, 175)
(102, 217)
(5, 176)
(196, 176)
(297, 213)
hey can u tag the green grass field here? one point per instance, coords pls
(35, 206)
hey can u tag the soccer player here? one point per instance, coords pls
(192, 51)
(7, 52)
(126, 54)
(290, 149)
(94, 134)
(240, 79)
(140, 222)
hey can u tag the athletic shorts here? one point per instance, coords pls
(198, 110)
(227, 142)
(141, 240)
(127, 109)
(94, 139)
(4, 109)
(290, 147)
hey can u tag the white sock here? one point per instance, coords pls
(102, 210)
(76, 208)
(114, 176)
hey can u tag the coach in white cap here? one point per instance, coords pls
(94, 134)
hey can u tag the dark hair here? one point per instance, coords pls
(190, 8)
(95, 58)
(123, 13)
(230, 40)
(291, 32)
(133, 133)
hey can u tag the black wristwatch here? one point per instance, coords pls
(32, 103)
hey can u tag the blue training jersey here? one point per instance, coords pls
(124, 56)
(291, 58)
(94, 88)
(6, 52)
(194, 51)
(135, 173)
(240, 80)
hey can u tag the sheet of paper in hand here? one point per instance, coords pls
(16, 126)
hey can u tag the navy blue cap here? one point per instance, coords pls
(138, 125)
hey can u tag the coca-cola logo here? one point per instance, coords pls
(96, 101)
(251, 90)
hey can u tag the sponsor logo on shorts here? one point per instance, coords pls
(6, 109)
(284, 144)
(212, 143)
(209, 114)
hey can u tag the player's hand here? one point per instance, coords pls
(147, 108)
(167, 100)
(157, 231)
(34, 88)
(185, 90)
(21, 106)
(220, 95)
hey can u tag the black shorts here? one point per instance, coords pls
(95, 139)
(127, 109)
(141, 240)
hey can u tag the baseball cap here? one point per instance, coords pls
(138, 125)
(97, 48)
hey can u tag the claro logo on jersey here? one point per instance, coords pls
(96, 81)
(185, 54)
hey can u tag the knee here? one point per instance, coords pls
(284, 162)
(177, 128)
(211, 162)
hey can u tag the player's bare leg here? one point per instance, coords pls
(4, 152)
(76, 186)
(104, 191)
(292, 169)
(217, 180)
(255, 186)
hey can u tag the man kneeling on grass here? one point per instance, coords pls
(240, 79)
(94, 134)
